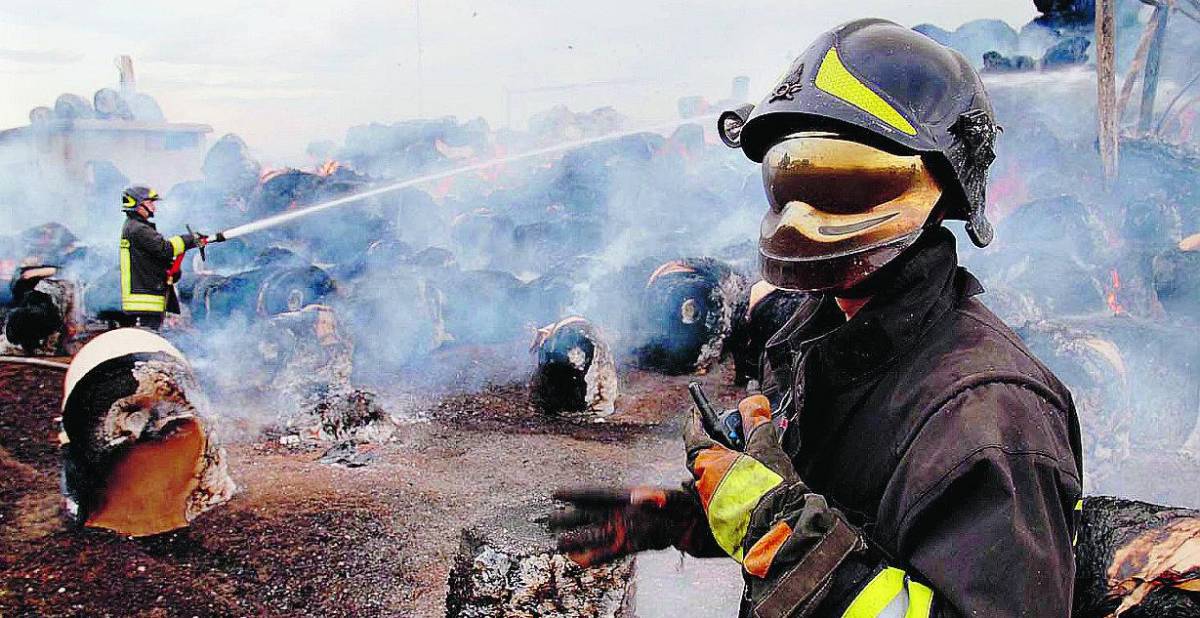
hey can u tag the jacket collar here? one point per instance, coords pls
(920, 286)
(139, 218)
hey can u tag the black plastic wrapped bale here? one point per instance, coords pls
(260, 292)
(766, 309)
(686, 313)
(139, 455)
(507, 567)
(1137, 560)
(42, 314)
(575, 372)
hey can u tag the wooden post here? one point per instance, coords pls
(1135, 67)
(1150, 79)
(1106, 83)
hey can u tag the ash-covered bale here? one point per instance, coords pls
(507, 567)
(575, 370)
(1133, 381)
(1137, 560)
(140, 455)
(305, 365)
(43, 312)
(767, 309)
(483, 238)
(686, 313)
(1066, 52)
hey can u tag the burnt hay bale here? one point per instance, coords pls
(1136, 560)
(766, 309)
(575, 370)
(139, 455)
(686, 313)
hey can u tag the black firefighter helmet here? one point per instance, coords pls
(873, 134)
(135, 195)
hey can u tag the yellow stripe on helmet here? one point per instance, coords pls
(835, 79)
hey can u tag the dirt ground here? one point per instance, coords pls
(304, 538)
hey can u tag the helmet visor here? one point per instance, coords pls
(832, 201)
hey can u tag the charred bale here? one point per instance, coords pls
(687, 311)
(507, 567)
(1136, 560)
(575, 370)
(140, 455)
(767, 309)
(43, 311)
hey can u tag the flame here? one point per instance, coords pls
(1114, 305)
(329, 167)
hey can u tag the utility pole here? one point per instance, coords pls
(1106, 84)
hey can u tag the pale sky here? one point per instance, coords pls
(284, 73)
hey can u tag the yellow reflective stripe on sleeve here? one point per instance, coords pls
(177, 246)
(891, 594)
(835, 79)
(739, 492)
(876, 595)
(920, 600)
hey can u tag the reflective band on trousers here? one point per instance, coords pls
(891, 594)
(739, 492)
(147, 303)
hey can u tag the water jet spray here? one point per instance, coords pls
(282, 218)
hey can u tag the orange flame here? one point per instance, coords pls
(1114, 305)
(329, 167)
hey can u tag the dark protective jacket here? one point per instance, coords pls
(145, 259)
(952, 450)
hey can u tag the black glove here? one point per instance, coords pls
(603, 523)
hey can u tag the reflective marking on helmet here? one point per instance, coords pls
(842, 230)
(833, 78)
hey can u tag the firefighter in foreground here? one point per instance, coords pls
(149, 263)
(907, 456)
